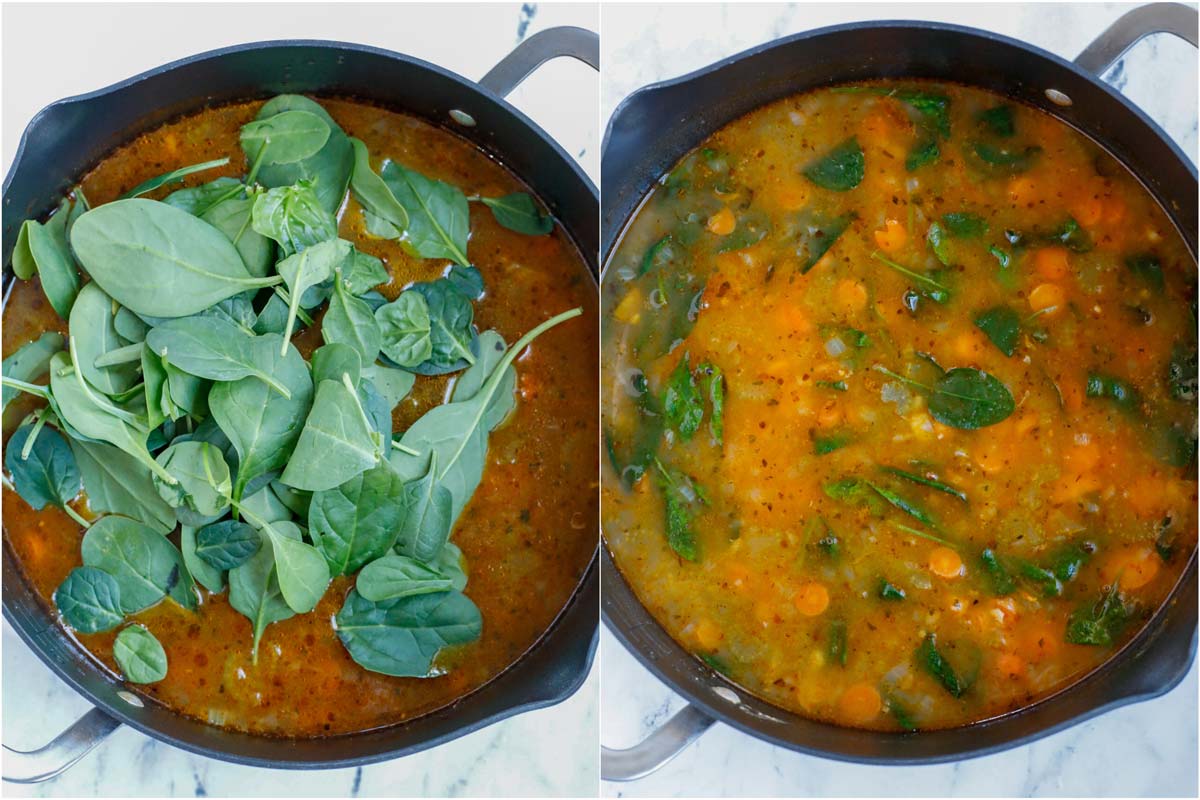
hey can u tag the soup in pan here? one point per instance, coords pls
(301, 434)
(899, 401)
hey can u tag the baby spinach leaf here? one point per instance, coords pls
(31, 362)
(467, 280)
(823, 445)
(196, 200)
(362, 272)
(518, 212)
(969, 399)
(118, 483)
(174, 176)
(90, 600)
(926, 481)
(300, 569)
(1003, 160)
(999, 579)
(254, 592)
(816, 233)
(402, 636)
(1148, 268)
(357, 522)
(428, 517)
(964, 225)
(680, 534)
(394, 576)
(405, 329)
(139, 655)
(294, 217)
(232, 217)
(47, 474)
(373, 193)
(213, 348)
(682, 404)
(1002, 325)
(201, 571)
(92, 324)
(227, 544)
(1182, 377)
(264, 425)
(1122, 393)
(328, 169)
(451, 328)
(336, 442)
(1098, 622)
(43, 248)
(932, 660)
(144, 563)
(350, 321)
(331, 361)
(998, 121)
(158, 260)
(284, 138)
(308, 268)
(202, 483)
(450, 563)
(715, 381)
(458, 430)
(839, 170)
(79, 406)
(438, 217)
(393, 384)
(925, 151)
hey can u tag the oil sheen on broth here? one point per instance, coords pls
(527, 534)
(899, 401)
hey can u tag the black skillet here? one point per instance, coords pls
(654, 127)
(66, 139)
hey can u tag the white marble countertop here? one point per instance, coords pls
(1148, 749)
(543, 753)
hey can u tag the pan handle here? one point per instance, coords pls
(1131, 27)
(656, 749)
(537, 50)
(61, 752)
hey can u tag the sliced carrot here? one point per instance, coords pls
(1051, 263)
(1132, 567)
(722, 223)
(945, 563)
(850, 295)
(812, 599)
(860, 703)
(892, 236)
(1048, 298)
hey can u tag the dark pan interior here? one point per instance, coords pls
(653, 128)
(68, 138)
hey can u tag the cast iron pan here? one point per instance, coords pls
(66, 139)
(653, 128)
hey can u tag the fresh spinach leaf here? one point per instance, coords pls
(350, 321)
(394, 576)
(201, 571)
(363, 272)
(358, 521)
(233, 218)
(1099, 622)
(92, 323)
(373, 193)
(965, 398)
(158, 260)
(174, 176)
(1003, 160)
(213, 348)
(518, 212)
(139, 655)
(406, 331)
(336, 442)
(839, 170)
(31, 362)
(196, 200)
(202, 483)
(438, 217)
(284, 138)
(47, 473)
(294, 217)
(328, 169)
(331, 361)
(118, 483)
(227, 544)
(43, 247)
(451, 327)
(402, 636)
(429, 517)
(300, 568)
(254, 592)
(467, 280)
(309, 267)
(90, 600)
(144, 563)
